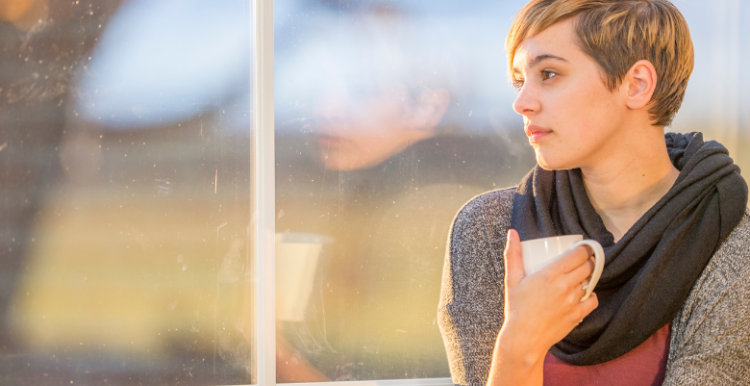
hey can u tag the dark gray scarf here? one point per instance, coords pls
(648, 273)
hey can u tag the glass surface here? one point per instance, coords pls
(390, 116)
(125, 193)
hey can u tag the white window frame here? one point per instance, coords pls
(263, 186)
(262, 233)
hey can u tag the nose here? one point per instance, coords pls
(527, 101)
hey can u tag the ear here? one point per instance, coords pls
(429, 109)
(639, 84)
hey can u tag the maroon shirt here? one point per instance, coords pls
(641, 366)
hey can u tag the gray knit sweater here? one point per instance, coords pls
(710, 340)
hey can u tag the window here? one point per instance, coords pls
(387, 123)
(126, 193)
(229, 192)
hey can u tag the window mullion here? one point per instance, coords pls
(264, 191)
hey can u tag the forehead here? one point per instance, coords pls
(558, 40)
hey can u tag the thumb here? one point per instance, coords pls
(513, 261)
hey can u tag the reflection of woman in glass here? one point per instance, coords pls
(382, 173)
(597, 82)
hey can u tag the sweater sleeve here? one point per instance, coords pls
(470, 312)
(711, 341)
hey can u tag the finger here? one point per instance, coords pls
(581, 273)
(513, 260)
(589, 305)
(571, 260)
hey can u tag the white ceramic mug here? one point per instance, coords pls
(297, 256)
(538, 253)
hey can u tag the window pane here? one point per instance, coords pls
(125, 185)
(390, 116)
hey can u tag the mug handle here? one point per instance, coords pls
(598, 264)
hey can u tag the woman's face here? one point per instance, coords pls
(355, 132)
(571, 118)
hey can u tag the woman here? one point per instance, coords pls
(598, 80)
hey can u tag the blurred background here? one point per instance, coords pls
(125, 161)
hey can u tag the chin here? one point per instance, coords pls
(548, 161)
(335, 161)
(332, 162)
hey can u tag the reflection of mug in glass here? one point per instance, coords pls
(297, 256)
(539, 253)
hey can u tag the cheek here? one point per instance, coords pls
(583, 121)
(587, 115)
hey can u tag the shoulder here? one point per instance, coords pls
(491, 208)
(726, 277)
(736, 248)
(479, 229)
(727, 273)
(710, 335)
(729, 264)
(473, 270)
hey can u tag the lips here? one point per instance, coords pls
(536, 133)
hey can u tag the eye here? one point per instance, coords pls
(546, 74)
(517, 84)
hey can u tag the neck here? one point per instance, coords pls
(629, 179)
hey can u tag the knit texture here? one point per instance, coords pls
(710, 341)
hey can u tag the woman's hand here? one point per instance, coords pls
(546, 306)
(291, 366)
(540, 310)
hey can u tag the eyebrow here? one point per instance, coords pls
(540, 58)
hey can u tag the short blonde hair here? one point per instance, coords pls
(616, 34)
